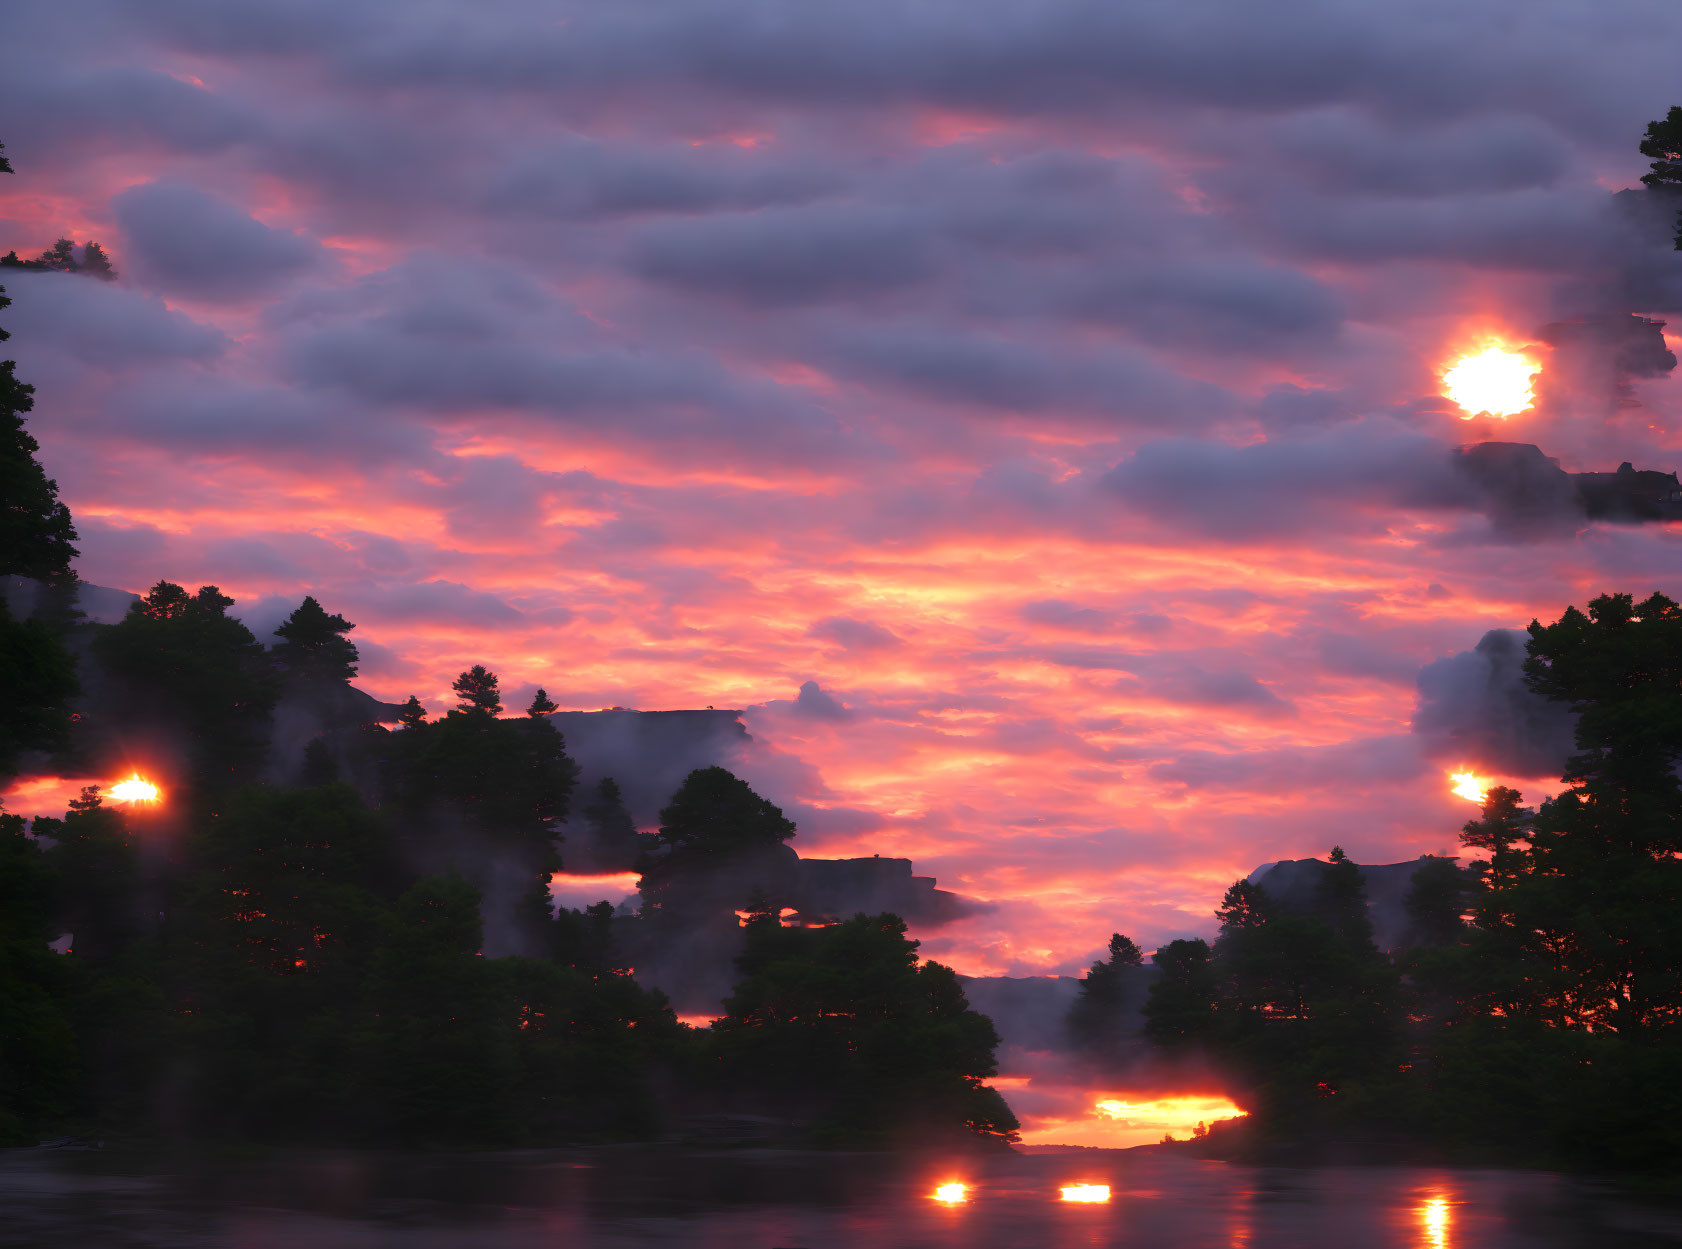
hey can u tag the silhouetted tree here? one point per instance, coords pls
(714, 822)
(844, 1028)
(38, 1060)
(1096, 1019)
(180, 657)
(609, 841)
(1245, 905)
(95, 263)
(413, 714)
(1179, 1009)
(99, 871)
(715, 814)
(541, 705)
(61, 256)
(1341, 900)
(477, 690)
(1497, 833)
(38, 677)
(37, 538)
(1663, 145)
(1435, 902)
(313, 644)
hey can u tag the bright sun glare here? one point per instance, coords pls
(1494, 381)
(1469, 786)
(1086, 1192)
(134, 789)
(952, 1194)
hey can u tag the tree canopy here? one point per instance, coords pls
(313, 643)
(846, 1025)
(1662, 144)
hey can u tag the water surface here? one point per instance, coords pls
(613, 1198)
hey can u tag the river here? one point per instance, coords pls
(624, 1198)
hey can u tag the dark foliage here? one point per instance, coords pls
(313, 644)
(1662, 144)
(61, 257)
(183, 664)
(1541, 1029)
(1098, 1020)
(39, 680)
(843, 1028)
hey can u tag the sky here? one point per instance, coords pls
(1029, 415)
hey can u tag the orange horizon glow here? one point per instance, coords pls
(1187, 1110)
(1129, 1120)
(951, 1194)
(1494, 382)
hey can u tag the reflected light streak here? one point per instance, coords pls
(1434, 1223)
(1086, 1192)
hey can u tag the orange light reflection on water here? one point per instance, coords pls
(1434, 1223)
(952, 1194)
(1086, 1192)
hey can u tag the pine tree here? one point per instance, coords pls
(1663, 144)
(541, 705)
(413, 715)
(477, 689)
(1244, 905)
(96, 263)
(61, 256)
(313, 644)
(36, 534)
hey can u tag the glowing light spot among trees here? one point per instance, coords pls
(1493, 381)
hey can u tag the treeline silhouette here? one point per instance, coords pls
(292, 962)
(273, 962)
(1531, 1015)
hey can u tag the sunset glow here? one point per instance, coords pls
(1058, 507)
(1086, 1192)
(952, 1194)
(1172, 1114)
(1493, 382)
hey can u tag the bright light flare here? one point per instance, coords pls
(1173, 1112)
(1086, 1192)
(133, 789)
(1433, 1222)
(952, 1194)
(1467, 785)
(1493, 381)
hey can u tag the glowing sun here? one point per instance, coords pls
(1494, 381)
